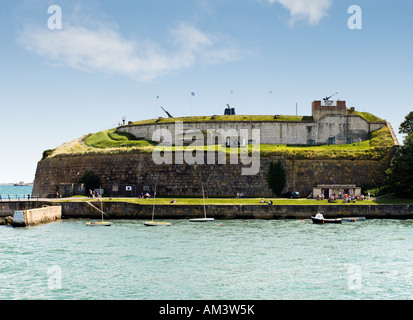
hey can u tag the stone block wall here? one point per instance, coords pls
(220, 180)
(340, 127)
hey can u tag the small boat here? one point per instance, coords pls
(155, 223)
(201, 219)
(204, 219)
(101, 223)
(319, 219)
(354, 219)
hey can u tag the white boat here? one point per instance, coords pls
(101, 223)
(204, 219)
(155, 223)
(201, 219)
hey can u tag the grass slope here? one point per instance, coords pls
(112, 142)
(237, 118)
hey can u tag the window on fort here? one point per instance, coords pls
(331, 140)
(311, 142)
(350, 140)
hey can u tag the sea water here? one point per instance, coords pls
(13, 191)
(220, 260)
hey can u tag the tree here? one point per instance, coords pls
(400, 174)
(91, 180)
(276, 177)
(406, 126)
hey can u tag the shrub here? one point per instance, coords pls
(276, 177)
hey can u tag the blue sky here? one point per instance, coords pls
(113, 58)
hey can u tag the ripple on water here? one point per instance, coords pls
(236, 259)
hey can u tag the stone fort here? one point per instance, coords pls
(331, 123)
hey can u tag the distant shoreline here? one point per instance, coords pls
(15, 184)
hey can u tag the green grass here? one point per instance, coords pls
(247, 118)
(376, 148)
(113, 139)
(249, 201)
(218, 118)
(367, 116)
(111, 142)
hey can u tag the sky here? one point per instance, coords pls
(113, 59)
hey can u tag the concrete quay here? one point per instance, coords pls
(29, 213)
(34, 217)
(124, 210)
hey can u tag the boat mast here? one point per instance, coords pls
(153, 209)
(203, 196)
(101, 207)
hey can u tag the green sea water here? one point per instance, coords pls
(222, 260)
(13, 191)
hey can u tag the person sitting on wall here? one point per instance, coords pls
(173, 201)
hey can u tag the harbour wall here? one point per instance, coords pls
(8, 208)
(125, 210)
(219, 180)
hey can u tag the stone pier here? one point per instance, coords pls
(34, 217)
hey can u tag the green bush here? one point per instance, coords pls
(47, 153)
(276, 177)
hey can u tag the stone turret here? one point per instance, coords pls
(322, 108)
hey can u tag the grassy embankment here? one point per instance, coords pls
(247, 118)
(113, 142)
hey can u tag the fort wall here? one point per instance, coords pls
(220, 180)
(342, 128)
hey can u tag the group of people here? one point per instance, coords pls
(347, 197)
(94, 194)
(268, 202)
(147, 195)
(240, 195)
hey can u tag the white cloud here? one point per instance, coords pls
(102, 49)
(311, 10)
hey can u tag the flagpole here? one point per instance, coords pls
(192, 97)
(156, 106)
